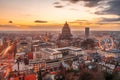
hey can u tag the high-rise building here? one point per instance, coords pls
(87, 32)
(66, 33)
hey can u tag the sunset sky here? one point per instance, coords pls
(52, 14)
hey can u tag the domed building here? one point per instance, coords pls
(66, 33)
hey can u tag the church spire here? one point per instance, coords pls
(66, 24)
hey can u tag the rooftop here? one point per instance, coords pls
(69, 48)
(113, 51)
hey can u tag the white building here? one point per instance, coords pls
(37, 55)
(76, 51)
(24, 46)
(20, 54)
(48, 53)
(71, 51)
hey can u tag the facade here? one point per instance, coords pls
(37, 55)
(66, 33)
(110, 53)
(70, 51)
(57, 53)
(24, 46)
(77, 51)
(48, 53)
(87, 32)
(35, 45)
(115, 52)
(47, 45)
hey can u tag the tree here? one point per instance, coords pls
(86, 75)
(116, 75)
(108, 76)
(39, 74)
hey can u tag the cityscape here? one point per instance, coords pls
(59, 40)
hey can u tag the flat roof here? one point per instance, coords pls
(113, 51)
(69, 48)
(49, 50)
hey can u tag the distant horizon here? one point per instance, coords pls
(54, 30)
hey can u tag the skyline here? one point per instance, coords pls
(52, 14)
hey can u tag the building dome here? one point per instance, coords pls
(66, 32)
